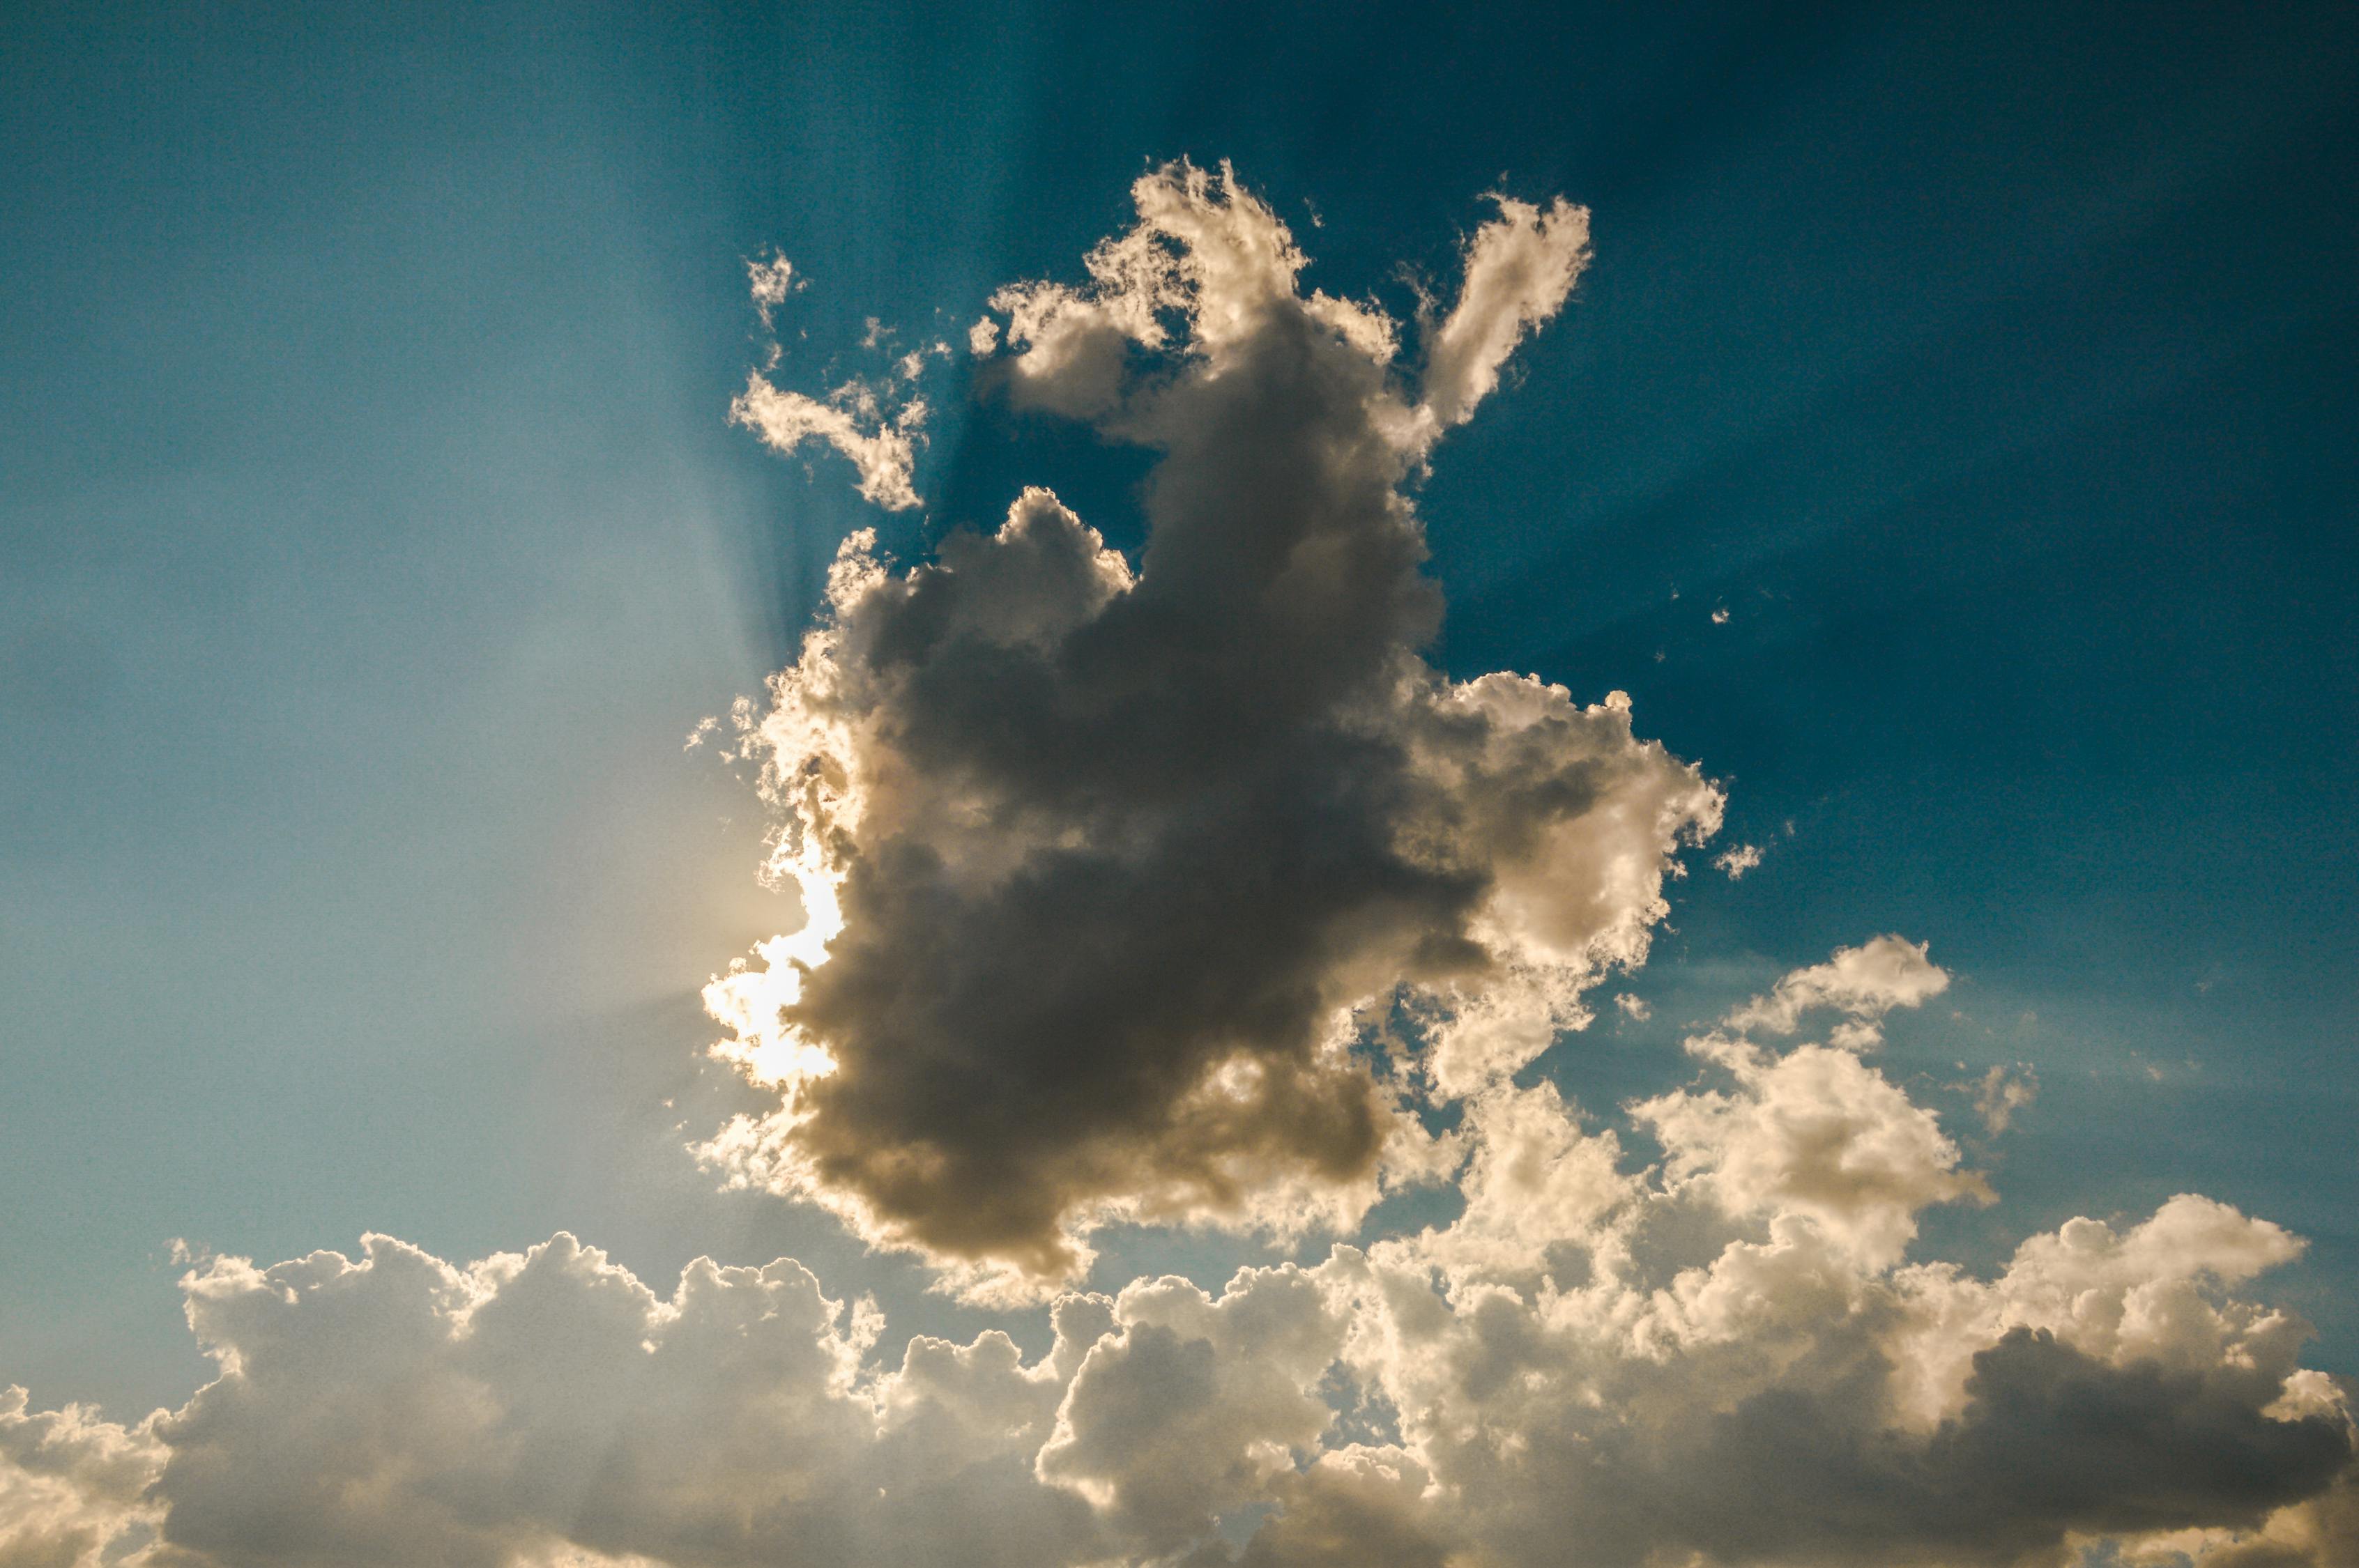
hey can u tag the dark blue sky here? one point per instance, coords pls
(370, 534)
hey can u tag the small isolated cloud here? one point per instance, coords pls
(1719, 616)
(1635, 1008)
(878, 429)
(1862, 983)
(882, 443)
(2000, 1093)
(1737, 859)
(771, 282)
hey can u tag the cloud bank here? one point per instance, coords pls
(1183, 890)
(1721, 1358)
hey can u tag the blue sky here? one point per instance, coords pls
(372, 535)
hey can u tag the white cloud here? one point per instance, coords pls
(770, 283)
(882, 444)
(1814, 1135)
(1862, 983)
(1194, 1406)
(1737, 859)
(72, 1486)
(1597, 1364)
(2002, 1092)
(1519, 269)
(399, 1410)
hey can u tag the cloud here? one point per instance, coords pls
(2002, 1092)
(1737, 859)
(398, 1409)
(1863, 983)
(1596, 1363)
(1608, 1368)
(881, 443)
(770, 282)
(71, 1484)
(1195, 1406)
(1519, 269)
(1115, 865)
(1816, 1134)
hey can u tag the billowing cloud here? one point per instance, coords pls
(398, 1409)
(1181, 889)
(72, 1486)
(1598, 1363)
(1111, 863)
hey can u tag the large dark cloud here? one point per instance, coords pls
(1112, 854)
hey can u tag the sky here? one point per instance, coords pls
(1936, 423)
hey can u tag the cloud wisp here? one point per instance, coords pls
(1183, 890)
(1111, 867)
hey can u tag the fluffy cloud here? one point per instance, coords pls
(1597, 1362)
(398, 1409)
(1725, 1359)
(1863, 983)
(72, 1486)
(1182, 889)
(880, 441)
(1816, 1135)
(1196, 1406)
(1110, 865)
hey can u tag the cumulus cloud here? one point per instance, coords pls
(398, 1409)
(1863, 983)
(1182, 889)
(1722, 1357)
(72, 1486)
(770, 282)
(1111, 864)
